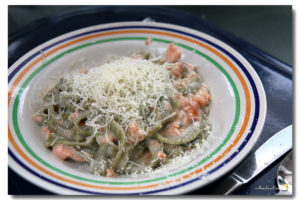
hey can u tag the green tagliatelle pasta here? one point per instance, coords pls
(127, 114)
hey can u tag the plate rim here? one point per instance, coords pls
(256, 78)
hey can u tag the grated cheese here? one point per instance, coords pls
(120, 88)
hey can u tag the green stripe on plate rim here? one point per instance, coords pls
(19, 94)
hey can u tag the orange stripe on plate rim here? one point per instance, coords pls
(227, 61)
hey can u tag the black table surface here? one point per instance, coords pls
(255, 24)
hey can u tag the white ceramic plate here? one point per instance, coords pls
(237, 111)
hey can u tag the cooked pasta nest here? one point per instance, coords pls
(127, 115)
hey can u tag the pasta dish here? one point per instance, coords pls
(127, 114)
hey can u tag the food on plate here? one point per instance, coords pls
(128, 114)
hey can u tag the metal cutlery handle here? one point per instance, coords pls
(233, 184)
(256, 162)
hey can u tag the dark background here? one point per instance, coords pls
(267, 28)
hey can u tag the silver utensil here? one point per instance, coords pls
(285, 176)
(256, 162)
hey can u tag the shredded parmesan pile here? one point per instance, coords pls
(120, 89)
